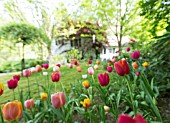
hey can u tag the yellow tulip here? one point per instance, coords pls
(145, 64)
(86, 103)
(1, 88)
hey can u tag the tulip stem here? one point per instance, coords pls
(2, 119)
(131, 96)
(28, 88)
(13, 93)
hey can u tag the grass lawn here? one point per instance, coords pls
(68, 76)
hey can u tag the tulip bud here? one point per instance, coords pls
(84, 76)
(12, 83)
(75, 62)
(1, 88)
(29, 103)
(137, 73)
(56, 69)
(96, 67)
(86, 84)
(135, 55)
(103, 79)
(106, 109)
(45, 66)
(145, 64)
(58, 99)
(79, 69)
(97, 62)
(89, 61)
(134, 65)
(70, 66)
(45, 73)
(90, 71)
(17, 77)
(59, 65)
(128, 49)
(43, 96)
(55, 77)
(38, 68)
(12, 110)
(33, 70)
(109, 69)
(26, 73)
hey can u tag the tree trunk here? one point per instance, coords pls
(23, 60)
(120, 41)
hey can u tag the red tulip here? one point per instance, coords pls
(135, 55)
(117, 51)
(59, 65)
(58, 99)
(12, 83)
(89, 61)
(128, 49)
(45, 66)
(17, 77)
(109, 69)
(124, 118)
(133, 40)
(75, 62)
(122, 67)
(26, 73)
(55, 77)
(103, 79)
(29, 103)
(38, 68)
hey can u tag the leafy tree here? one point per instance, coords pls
(22, 33)
(158, 14)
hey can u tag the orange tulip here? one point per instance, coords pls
(38, 68)
(12, 110)
(97, 62)
(134, 65)
(79, 69)
(86, 84)
(122, 67)
(1, 88)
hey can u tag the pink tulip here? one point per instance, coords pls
(58, 99)
(124, 118)
(45, 66)
(109, 69)
(59, 65)
(103, 79)
(26, 73)
(128, 49)
(113, 60)
(12, 83)
(135, 55)
(70, 66)
(89, 61)
(29, 103)
(55, 77)
(17, 77)
(137, 73)
(90, 71)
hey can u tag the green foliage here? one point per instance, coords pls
(23, 33)
(73, 54)
(16, 65)
(160, 61)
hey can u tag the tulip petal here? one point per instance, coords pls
(119, 69)
(123, 118)
(139, 119)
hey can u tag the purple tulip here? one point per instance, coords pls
(137, 73)
(128, 49)
(135, 55)
(109, 69)
(103, 79)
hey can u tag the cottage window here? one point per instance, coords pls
(75, 42)
(104, 50)
(71, 43)
(56, 42)
(79, 41)
(113, 50)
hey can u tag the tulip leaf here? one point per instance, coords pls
(58, 113)
(39, 115)
(27, 115)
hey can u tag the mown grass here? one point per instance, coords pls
(68, 76)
